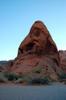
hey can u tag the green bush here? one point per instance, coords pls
(23, 79)
(62, 76)
(44, 80)
(19, 80)
(11, 76)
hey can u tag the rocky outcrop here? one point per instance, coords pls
(39, 42)
(37, 50)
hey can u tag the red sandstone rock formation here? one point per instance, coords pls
(37, 49)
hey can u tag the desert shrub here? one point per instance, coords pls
(19, 80)
(44, 80)
(62, 76)
(11, 76)
(23, 79)
(35, 81)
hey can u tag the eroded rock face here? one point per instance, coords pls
(37, 49)
(39, 42)
(63, 60)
